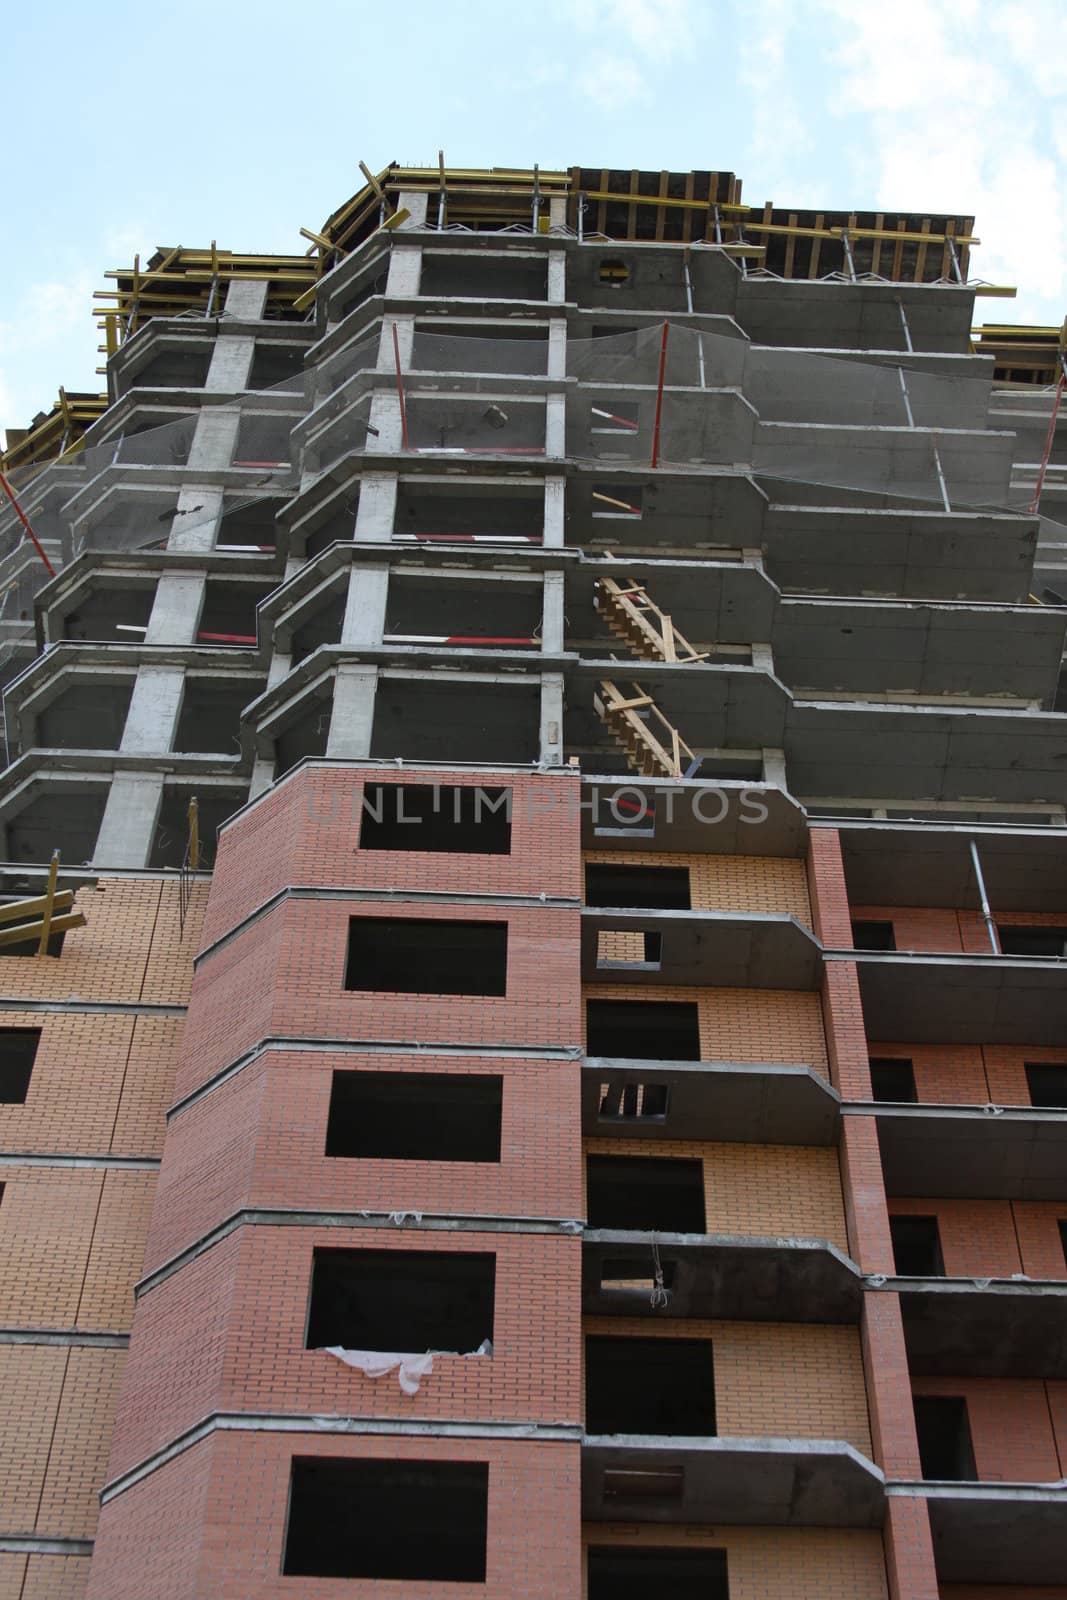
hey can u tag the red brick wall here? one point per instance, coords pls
(771, 1563)
(994, 1238)
(226, 1332)
(306, 831)
(284, 974)
(259, 1139)
(217, 1519)
(1011, 1423)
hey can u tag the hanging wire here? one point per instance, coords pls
(660, 1298)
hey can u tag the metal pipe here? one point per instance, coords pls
(991, 927)
(941, 480)
(9, 491)
(659, 394)
(907, 397)
(400, 390)
(904, 323)
(689, 308)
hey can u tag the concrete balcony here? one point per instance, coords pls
(996, 1533)
(704, 1100)
(719, 1276)
(950, 999)
(897, 863)
(692, 816)
(782, 1482)
(983, 1328)
(734, 951)
(972, 1152)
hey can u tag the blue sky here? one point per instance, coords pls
(139, 125)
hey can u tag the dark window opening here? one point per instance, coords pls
(415, 1116)
(643, 1030)
(648, 1193)
(945, 1449)
(228, 616)
(419, 1521)
(636, 1572)
(873, 936)
(420, 955)
(641, 1484)
(1063, 1239)
(653, 1386)
(427, 816)
(629, 1102)
(1047, 1083)
(658, 888)
(18, 1050)
(916, 1247)
(893, 1080)
(401, 1300)
(1020, 941)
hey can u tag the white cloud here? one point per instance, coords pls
(639, 37)
(963, 118)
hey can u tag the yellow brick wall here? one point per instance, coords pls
(72, 1238)
(773, 1563)
(730, 883)
(71, 1246)
(760, 1189)
(741, 1024)
(775, 1380)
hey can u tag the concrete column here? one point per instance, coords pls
(557, 273)
(154, 708)
(280, 664)
(555, 426)
(774, 768)
(176, 609)
(405, 270)
(130, 816)
(215, 438)
(405, 333)
(417, 203)
(557, 211)
(231, 362)
(376, 512)
(196, 521)
(262, 776)
(551, 754)
(557, 348)
(763, 657)
(247, 298)
(364, 619)
(388, 436)
(554, 512)
(352, 717)
(552, 617)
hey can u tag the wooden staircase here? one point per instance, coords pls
(652, 743)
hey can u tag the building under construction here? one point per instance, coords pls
(534, 896)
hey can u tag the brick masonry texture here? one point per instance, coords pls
(760, 884)
(260, 1138)
(1002, 1591)
(760, 1189)
(306, 831)
(234, 1550)
(43, 1577)
(971, 1074)
(950, 930)
(72, 1239)
(741, 1024)
(771, 1563)
(994, 1238)
(1018, 1425)
(59, 1405)
(226, 1332)
(284, 974)
(775, 1380)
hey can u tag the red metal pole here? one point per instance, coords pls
(659, 394)
(400, 391)
(9, 491)
(1036, 501)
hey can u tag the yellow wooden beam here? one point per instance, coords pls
(62, 899)
(28, 931)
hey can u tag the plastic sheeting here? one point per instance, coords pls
(412, 1366)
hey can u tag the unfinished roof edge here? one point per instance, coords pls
(701, 206)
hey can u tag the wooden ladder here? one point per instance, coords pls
(652, 743)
